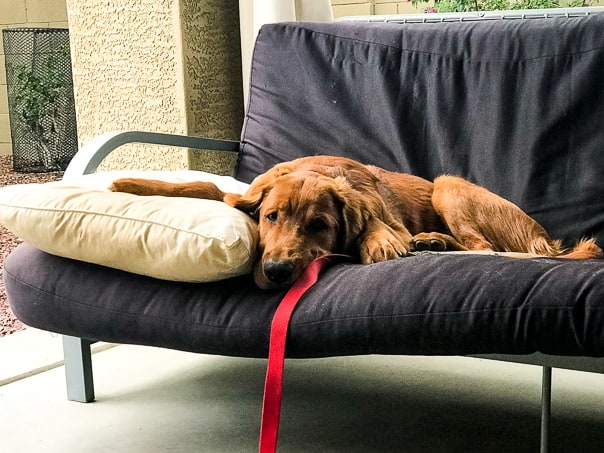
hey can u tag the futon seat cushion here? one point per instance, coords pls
(427, 304)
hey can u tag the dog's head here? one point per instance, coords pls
(301, 215)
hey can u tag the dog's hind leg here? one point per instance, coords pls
(147, 187)
(481, 220)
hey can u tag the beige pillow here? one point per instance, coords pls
(181, 239)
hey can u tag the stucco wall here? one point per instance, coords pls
(24, 13)
(156, 65)
(212, 76)
(127, 71)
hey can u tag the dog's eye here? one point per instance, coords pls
(272, 217)
(317, 225)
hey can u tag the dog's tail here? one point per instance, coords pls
(584, 249)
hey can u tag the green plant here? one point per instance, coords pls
(38, 95)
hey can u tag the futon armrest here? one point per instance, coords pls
(92, 153)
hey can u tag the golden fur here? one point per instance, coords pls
(318, 205)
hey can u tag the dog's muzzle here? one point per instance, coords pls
(278, 272)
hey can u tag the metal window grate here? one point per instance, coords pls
(551, 13)
(40, 98)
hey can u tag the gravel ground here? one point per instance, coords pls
(8, 241)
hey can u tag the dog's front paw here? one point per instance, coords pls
(380, 246)
(424, 242)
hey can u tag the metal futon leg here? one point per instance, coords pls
(546, 407)
(78, 369)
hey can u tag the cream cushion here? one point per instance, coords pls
(180, 239)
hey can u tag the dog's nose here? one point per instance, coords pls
(278, 271)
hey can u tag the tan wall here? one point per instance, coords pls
(213, 77)
(127, 71)
(24, 13)
(156, 65)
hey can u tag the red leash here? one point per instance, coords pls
(273, 385)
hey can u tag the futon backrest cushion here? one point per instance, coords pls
(514, 105)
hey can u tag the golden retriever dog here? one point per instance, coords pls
(319, 205)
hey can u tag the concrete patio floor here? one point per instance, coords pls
(152, 400)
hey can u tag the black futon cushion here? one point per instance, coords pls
(427, 304)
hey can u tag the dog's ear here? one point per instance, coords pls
(251, 200)
(354, 213)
